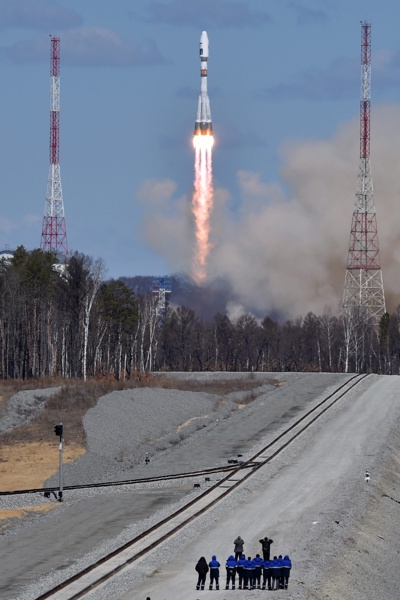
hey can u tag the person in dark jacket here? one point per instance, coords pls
(240, 570)
(285, 570)
(266, 547)
(258, 563)
(231, 565)
(238, 550)
(202, 569)
(266, 575)
(214, 572)
(275, 568)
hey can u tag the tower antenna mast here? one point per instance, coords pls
(363, 288)
(54, 232)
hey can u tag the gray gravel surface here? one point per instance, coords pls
(172, 425)
(125, 511)
(126, 425)
(23, 407)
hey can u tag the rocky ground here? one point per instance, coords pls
(365, 561)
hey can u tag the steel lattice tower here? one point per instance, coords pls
(162, 287)
(363, 288)
(54, 233)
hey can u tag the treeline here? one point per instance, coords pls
(66, 321)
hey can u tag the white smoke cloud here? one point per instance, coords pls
(167, 223)
(286, 251)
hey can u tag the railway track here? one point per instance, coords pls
(87, 580)
(85, 486)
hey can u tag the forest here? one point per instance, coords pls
(68, 321)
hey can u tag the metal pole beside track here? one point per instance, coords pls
(60, 491)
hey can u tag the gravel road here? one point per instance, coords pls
(341, 534)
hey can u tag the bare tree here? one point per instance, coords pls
(82, 279)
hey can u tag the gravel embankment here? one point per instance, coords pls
(125, 425)
(23, 407)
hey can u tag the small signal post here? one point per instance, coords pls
(58, 430)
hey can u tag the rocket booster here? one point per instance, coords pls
(203, 125)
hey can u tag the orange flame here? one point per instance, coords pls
(202, 203)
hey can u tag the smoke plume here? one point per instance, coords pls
(286, 250)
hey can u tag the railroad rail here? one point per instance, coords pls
(93, 576)
(85, 486)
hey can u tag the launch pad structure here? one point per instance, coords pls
(363, 289)
(161, 289)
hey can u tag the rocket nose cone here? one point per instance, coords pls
(204, 44)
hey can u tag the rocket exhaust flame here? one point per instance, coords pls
(203, 142)
(202, 203)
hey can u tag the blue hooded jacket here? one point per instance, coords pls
(214, 564)
(249, 564)
(241, 561)
(266, 565)
(231, 562)
(286, 563)
(258, 562)
(275, 567)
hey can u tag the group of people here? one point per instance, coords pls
(251, 573)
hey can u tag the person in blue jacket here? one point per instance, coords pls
(248, 571)
(214, 572)
(240, 570)
(231, 565)
(266, 574)
(280, 557)
(258, 563)
(275, 569)
(285, 570)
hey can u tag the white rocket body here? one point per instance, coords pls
(203, 125)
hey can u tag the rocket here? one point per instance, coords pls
(203, 125)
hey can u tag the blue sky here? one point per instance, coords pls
(284, 82)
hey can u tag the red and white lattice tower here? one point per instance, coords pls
(363, 288)
(54, 233)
